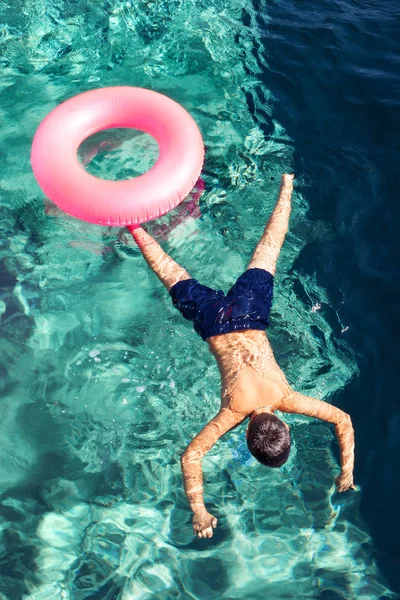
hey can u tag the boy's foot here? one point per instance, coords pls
(286, 178)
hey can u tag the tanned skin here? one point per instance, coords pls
(252, 381)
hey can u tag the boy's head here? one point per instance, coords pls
(268, 439)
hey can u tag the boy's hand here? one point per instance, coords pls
(345, 482)
(203, 524)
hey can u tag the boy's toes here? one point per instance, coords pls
(288, 177)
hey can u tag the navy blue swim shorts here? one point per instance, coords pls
(246, 306)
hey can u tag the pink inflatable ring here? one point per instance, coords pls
(129, 202)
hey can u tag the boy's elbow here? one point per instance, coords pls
(186, 456)
(190, 456)
(344, 419)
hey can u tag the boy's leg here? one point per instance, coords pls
(166, 269)
(268, 248)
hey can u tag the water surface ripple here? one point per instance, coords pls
(98, 395)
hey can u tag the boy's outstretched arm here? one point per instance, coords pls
(166, 269)
(203, 521)
(268, 248)
(311, 407)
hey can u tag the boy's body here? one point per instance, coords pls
(253, 385)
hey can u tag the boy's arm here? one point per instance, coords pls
(311, 407)
(204, 522)
(166, 269)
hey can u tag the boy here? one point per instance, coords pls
(253, 385)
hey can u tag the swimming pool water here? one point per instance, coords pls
(104, 384)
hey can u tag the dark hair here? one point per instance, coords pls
(268, 440)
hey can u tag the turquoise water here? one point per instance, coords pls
(104, 383)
